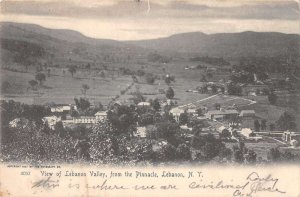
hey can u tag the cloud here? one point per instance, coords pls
(129, 20)
(259, 9)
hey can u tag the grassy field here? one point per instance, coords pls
(60, 87)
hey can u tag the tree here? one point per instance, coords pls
(183, 152)
(209, 75)
(150, 79)
(234, 89)
(265, 91)
(40, 77)
(235, 133)
(274, 154)
(214, 89)
(183, 118)
(256, 125)
(225, 134)
(121, 118)
(82, 103)
(238, 155)
(217, 106)
(286, 121)
(145, 119)
(199, 112)
(272, 97)
(208, 146)
(170, 93)
(225, 153)
(85, 88)
(250, 157)
(72, 70)
(155, 104)
(169, 79)
(140, 73)
(263, 124)
(59, 128)
(33, 84)
(49, 72)
(272, 127)
(203, 79)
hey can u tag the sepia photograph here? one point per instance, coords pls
(150, 83)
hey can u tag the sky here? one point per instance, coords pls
(147, 19)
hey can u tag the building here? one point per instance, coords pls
(84, 120)
(101, 115)
(246, 132)
(176, 112)
(247, 113)
(62, 108)
(18, 122)
(140, 132)
(222, 114)
(288, 136)
(143, 104)
(294, 143)
(51, 121)
(252, 89)
(185, 127)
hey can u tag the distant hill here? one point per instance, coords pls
(245, 44)
(20, 42)
(30, 43)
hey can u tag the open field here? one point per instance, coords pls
(60, 89)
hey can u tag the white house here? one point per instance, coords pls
(51, 120)
(143, 104)
(140, 132)
(84, 120)
(62, 108)
(185, 127)
(294, 143)
(15, 123)
(101, 115)
(245, 132)
(176, 112)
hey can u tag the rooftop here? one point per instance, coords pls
(101, 113)
(219, 112)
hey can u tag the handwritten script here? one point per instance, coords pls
(252, 185)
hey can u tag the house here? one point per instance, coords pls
(288, 136)
(176, 112)
(221, 114)
(185, 127)
(84, 120)
(247, 113)
(245, 132)
(51, 121)
(252, 89)
(171, 102)
(221, 128)
(144, 104)
(18, 122)
(62, 108)
(192, 112)
(294, 143)
(14, 123)
(101, 115)
(140, 132)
